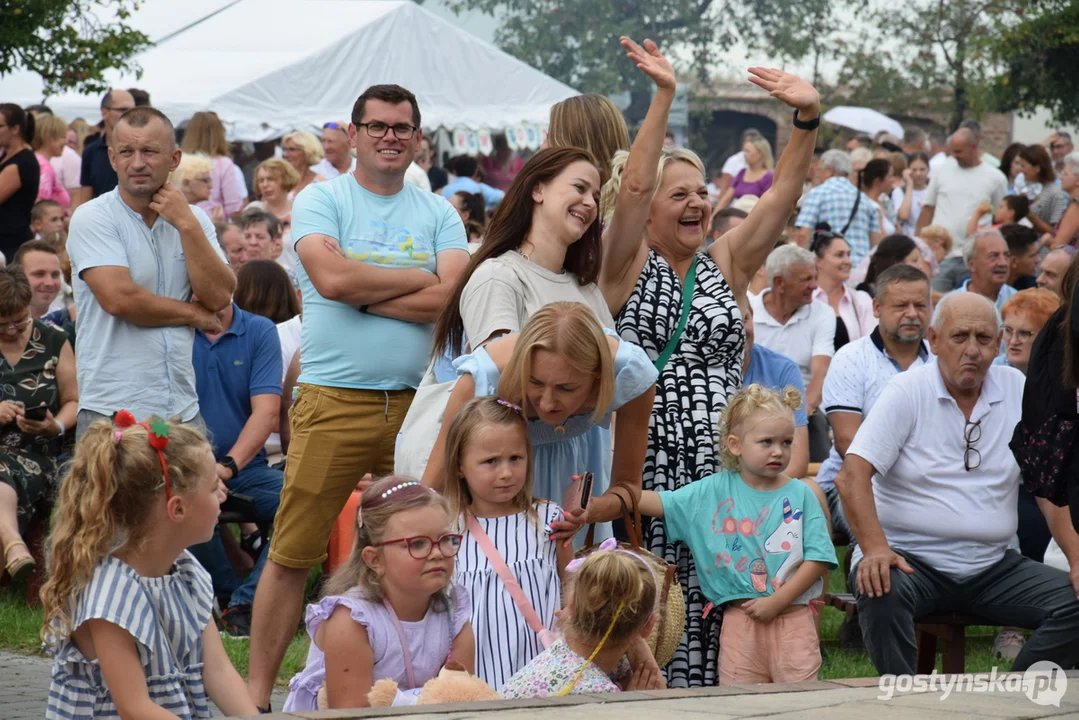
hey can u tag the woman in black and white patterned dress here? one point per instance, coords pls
(645, 284)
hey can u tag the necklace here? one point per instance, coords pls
(528, 257)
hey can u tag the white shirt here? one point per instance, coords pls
(809, 332)
(417, 177)
(936, 161)
(735, 164)
(288, 333)
(958, 522)
(915, 207)
(856, 376)
(955, 193)
(326, 169)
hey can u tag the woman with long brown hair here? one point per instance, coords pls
(206, 134)
(542, 246)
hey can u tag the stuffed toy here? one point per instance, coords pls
(452, 685)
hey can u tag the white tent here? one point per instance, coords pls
(269, 66)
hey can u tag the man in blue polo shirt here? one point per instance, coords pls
(238, 381)
(776, 371)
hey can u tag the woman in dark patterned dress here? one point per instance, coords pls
(644, 285)
(37, 367)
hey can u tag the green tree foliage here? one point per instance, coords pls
(1040, 55)
(928, 55)
(69, 43)
(576, 41)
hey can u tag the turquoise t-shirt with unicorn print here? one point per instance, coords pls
(747, 542)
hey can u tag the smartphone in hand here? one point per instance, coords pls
(578, 493)
(37, 414)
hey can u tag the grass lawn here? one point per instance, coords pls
(20, 625)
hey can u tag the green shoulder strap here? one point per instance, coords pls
(687, 300)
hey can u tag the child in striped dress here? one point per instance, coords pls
(488, 482)
(127, 608)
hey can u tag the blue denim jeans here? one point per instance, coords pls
(261, 483)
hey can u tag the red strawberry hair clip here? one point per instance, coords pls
(158, 436)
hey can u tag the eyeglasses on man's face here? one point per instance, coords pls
(401, 131)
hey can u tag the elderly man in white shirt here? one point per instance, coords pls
(930, 488)
(789, 321)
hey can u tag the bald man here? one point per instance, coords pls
(957, 188)
(933, 529)
(1053, 268)
(98, 176)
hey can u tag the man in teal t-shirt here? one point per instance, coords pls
(378, 260)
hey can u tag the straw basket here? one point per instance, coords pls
(667, 632)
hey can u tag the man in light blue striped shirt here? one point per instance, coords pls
(139, 254)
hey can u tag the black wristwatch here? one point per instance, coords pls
(808, 124)
(228, 462)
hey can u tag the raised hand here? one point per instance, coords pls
(791, 89)
(651, 62)
(170, 204)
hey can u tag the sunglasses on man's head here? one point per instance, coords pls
(335, 126)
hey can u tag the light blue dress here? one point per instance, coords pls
(586, 445)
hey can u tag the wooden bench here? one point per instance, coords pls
(947, 628)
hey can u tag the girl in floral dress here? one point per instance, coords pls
(37, 368)
(598, 631)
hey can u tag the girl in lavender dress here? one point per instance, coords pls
(391, 610)
(610, 604)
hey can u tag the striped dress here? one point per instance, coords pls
(504, 641)
(166, 616)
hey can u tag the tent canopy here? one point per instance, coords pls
(270, 66)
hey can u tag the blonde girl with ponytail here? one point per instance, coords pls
(128, 611)
(764, 534)
(610, 605)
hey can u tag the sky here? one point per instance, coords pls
(1029, 130)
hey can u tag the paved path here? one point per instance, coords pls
(24, 687)
(833, 700)
(24, 684)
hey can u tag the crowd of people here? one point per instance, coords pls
(483, 372)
